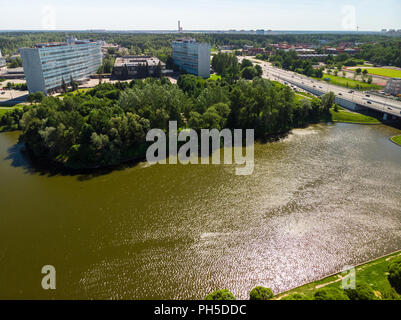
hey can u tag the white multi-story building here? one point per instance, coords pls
(193, 57)
(48, 65)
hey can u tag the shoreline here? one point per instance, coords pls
(396, 143)
(42, 163)
(321, 280)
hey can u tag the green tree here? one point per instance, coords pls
(223, 294)
(261, 293)
(296, 296)
(248, 73)
(328, 101)
(63, 86)
(362, 292)
(246, 63)
(394, 274)
(15, 63)
(330, 294)
(259, 70)
(35, 97)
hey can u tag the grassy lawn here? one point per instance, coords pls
(7, 109)
(397, 139)
(344, 115)
(373, 273)
(302, 95)
(350, 83)
(3, 111)
(74, 93)
(384, 72)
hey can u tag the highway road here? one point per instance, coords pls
(365, 99)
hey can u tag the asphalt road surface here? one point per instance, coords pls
(366, 99)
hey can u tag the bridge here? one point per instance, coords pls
(347, 98)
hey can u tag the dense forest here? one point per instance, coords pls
(386, 53)
(376, 48)
(108, 124)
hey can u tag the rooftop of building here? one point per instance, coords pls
(60, 44)
(134, 61)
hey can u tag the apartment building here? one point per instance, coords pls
(192, 57)
(48, 65)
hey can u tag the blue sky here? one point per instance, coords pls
(200, 14)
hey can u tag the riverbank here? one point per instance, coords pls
(396, 140)
(343, 115)
(373, 272)
(349, 83)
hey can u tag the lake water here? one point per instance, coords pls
(322, 198)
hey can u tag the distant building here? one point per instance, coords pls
(15, 73)
(106, 47)
(318, 57)
(227, 47)
(2, 61)
(48, 65)
(393, 86)
(254, 51)
(260, 32)
(192, 57)
(131, 67)
(331, 50)
(304, 51)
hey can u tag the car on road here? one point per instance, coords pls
(369, 102)
(351, 91)
(368, 95)
(340, 94)
(389, 108)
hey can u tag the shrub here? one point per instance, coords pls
(394, 274)
(296, 296)
(261, 293)
(223, 294)
(390, 294)
(363, 291)
(35, 97)
(330, 294)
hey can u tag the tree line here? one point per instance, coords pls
(333, 291)
(385, 50)
(108, 124)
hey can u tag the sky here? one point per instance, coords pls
(330, 15)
